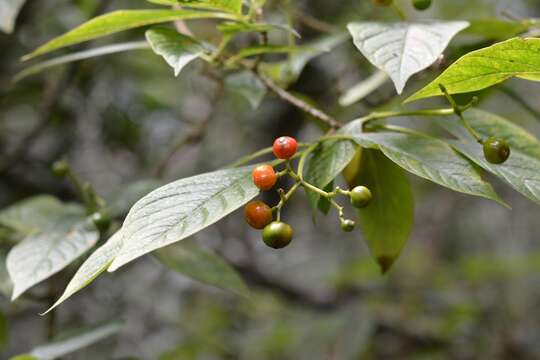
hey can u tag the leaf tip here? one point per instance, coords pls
(385, 263)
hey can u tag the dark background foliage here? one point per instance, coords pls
(465, 287)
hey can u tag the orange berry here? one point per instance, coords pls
(264, 177)
(258, 214)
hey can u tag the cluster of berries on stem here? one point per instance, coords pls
(275, 233)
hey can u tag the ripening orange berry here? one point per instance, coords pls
(258, 214)
(264, 177)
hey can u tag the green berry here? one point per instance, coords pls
(382, 2)
(277, 234)
(102, 220)
(60, 168)
(421, 4)
(360, 197)
(347, 225)
(496, 151)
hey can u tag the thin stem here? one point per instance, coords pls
(399, 12)
(328, 120)
(458, 110)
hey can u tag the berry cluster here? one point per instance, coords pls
(275, 233)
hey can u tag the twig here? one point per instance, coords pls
(323, 301)
(51, 99)
(314, 23)
(195, 135)
(299, 103)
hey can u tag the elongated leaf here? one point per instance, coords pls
(9, 9)
(73, 343)
(495, 28)
(37, 213)
(487, 67)
(96, 264)
(403, 49)
(387, 221)
(81, 55)
(119, 21)
(232, 28)
(178, 50)
(262, 50)
(363, 89)
(429, 158)
(126, 196)
(233, 6)
(202, 265)
(182, 208)
(521, 170)
(326, 163)
(288, 71)
(248, 86)
(43, 254)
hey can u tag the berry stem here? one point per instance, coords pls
(458, 110)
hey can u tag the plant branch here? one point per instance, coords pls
(330, 121)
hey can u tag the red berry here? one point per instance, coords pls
(285, 147)
(258, 214)
(264, 177)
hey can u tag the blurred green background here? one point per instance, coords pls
(467, 286)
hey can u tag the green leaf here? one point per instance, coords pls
(248, 86)
(363, 89)
(126, 196)
(288, 71)
(232, 28)
(262, 50)
(521, 170)
(9, 9)
(96, 264)
(73, 343)
(45, 253)
(429, 158)
(202, 265)
(232, 6)
(6, 287)
(486, 67)
(387, 221)
(495, 28)
(326, 163)
(181, 209)
(178, 50)
(119, 21)
(36, 213)
(403, 49)
(81, 55)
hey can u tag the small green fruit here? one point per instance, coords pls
(496, 151)
(421, 4)
(102, 220)
(277, 234)
(60, 169)
(347, 225)
(360, 197)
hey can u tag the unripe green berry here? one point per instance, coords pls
(421, 4)
(347, 225)
(496, 151)
(60, 169)
(382, 2)
(101, 220)
(277, 234)
(360, 197)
